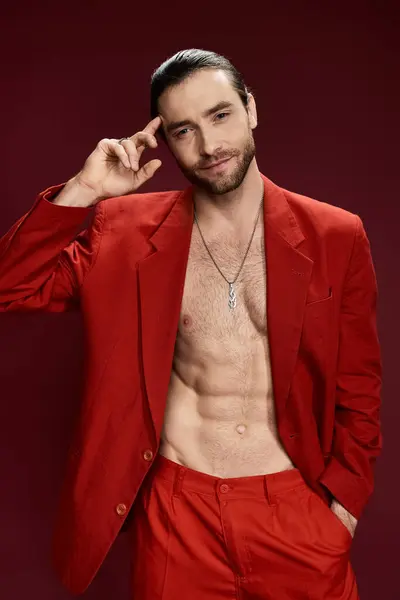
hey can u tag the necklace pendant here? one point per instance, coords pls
(232, 297)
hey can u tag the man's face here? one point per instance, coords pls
(205, 123)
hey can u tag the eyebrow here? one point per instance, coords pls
(206, 113)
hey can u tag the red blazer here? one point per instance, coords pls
(126, 272)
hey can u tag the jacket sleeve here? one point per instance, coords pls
(357, 437)
(43, 258)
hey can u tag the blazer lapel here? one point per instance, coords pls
(161, 282)
(288, 277)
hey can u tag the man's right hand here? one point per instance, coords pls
(113, 169)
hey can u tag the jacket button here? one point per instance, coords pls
(148, 455)
(121, 509)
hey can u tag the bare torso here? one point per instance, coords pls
(220, 415)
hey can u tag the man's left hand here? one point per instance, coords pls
(343, 514)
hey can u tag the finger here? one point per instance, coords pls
(153, 125)
(150, 128)
(121, 153)
(148, 170)
(130, 148)
(143, 140)
(143, 137)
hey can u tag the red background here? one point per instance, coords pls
(326, 80)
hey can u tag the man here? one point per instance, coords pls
(233, 366)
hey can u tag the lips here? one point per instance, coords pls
(219, 162)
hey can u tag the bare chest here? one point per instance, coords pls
(205, 311)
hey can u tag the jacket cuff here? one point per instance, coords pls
(66, 214)
(349, 489)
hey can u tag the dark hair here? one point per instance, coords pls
(186, 62)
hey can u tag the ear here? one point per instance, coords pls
(252, 110)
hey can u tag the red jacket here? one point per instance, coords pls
(126, 272)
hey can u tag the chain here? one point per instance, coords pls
(247, 250)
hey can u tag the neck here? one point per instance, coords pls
(235, 209)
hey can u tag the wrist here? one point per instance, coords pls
(77, 194)
(341, 511)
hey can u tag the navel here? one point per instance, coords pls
(241, 428)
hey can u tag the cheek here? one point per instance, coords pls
(245, 134)
(184, 155)
(235, 137)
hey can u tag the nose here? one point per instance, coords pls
(208, 143)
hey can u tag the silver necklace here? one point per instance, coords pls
(232, 301)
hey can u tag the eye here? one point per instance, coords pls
(220, 116)
(181, 132)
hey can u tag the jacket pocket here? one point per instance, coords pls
(315, 301)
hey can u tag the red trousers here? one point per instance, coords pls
(268, 537)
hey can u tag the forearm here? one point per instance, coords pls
(357, 439)
(75, 194)
(37, 251)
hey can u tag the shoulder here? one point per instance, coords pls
(327, 229)
(324, 224)
(319, 214)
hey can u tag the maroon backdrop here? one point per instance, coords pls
(327, 86)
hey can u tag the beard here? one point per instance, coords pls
(223, 183)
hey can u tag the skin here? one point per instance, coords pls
(220, 415)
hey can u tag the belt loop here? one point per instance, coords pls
(178, 482)
(268, 492)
